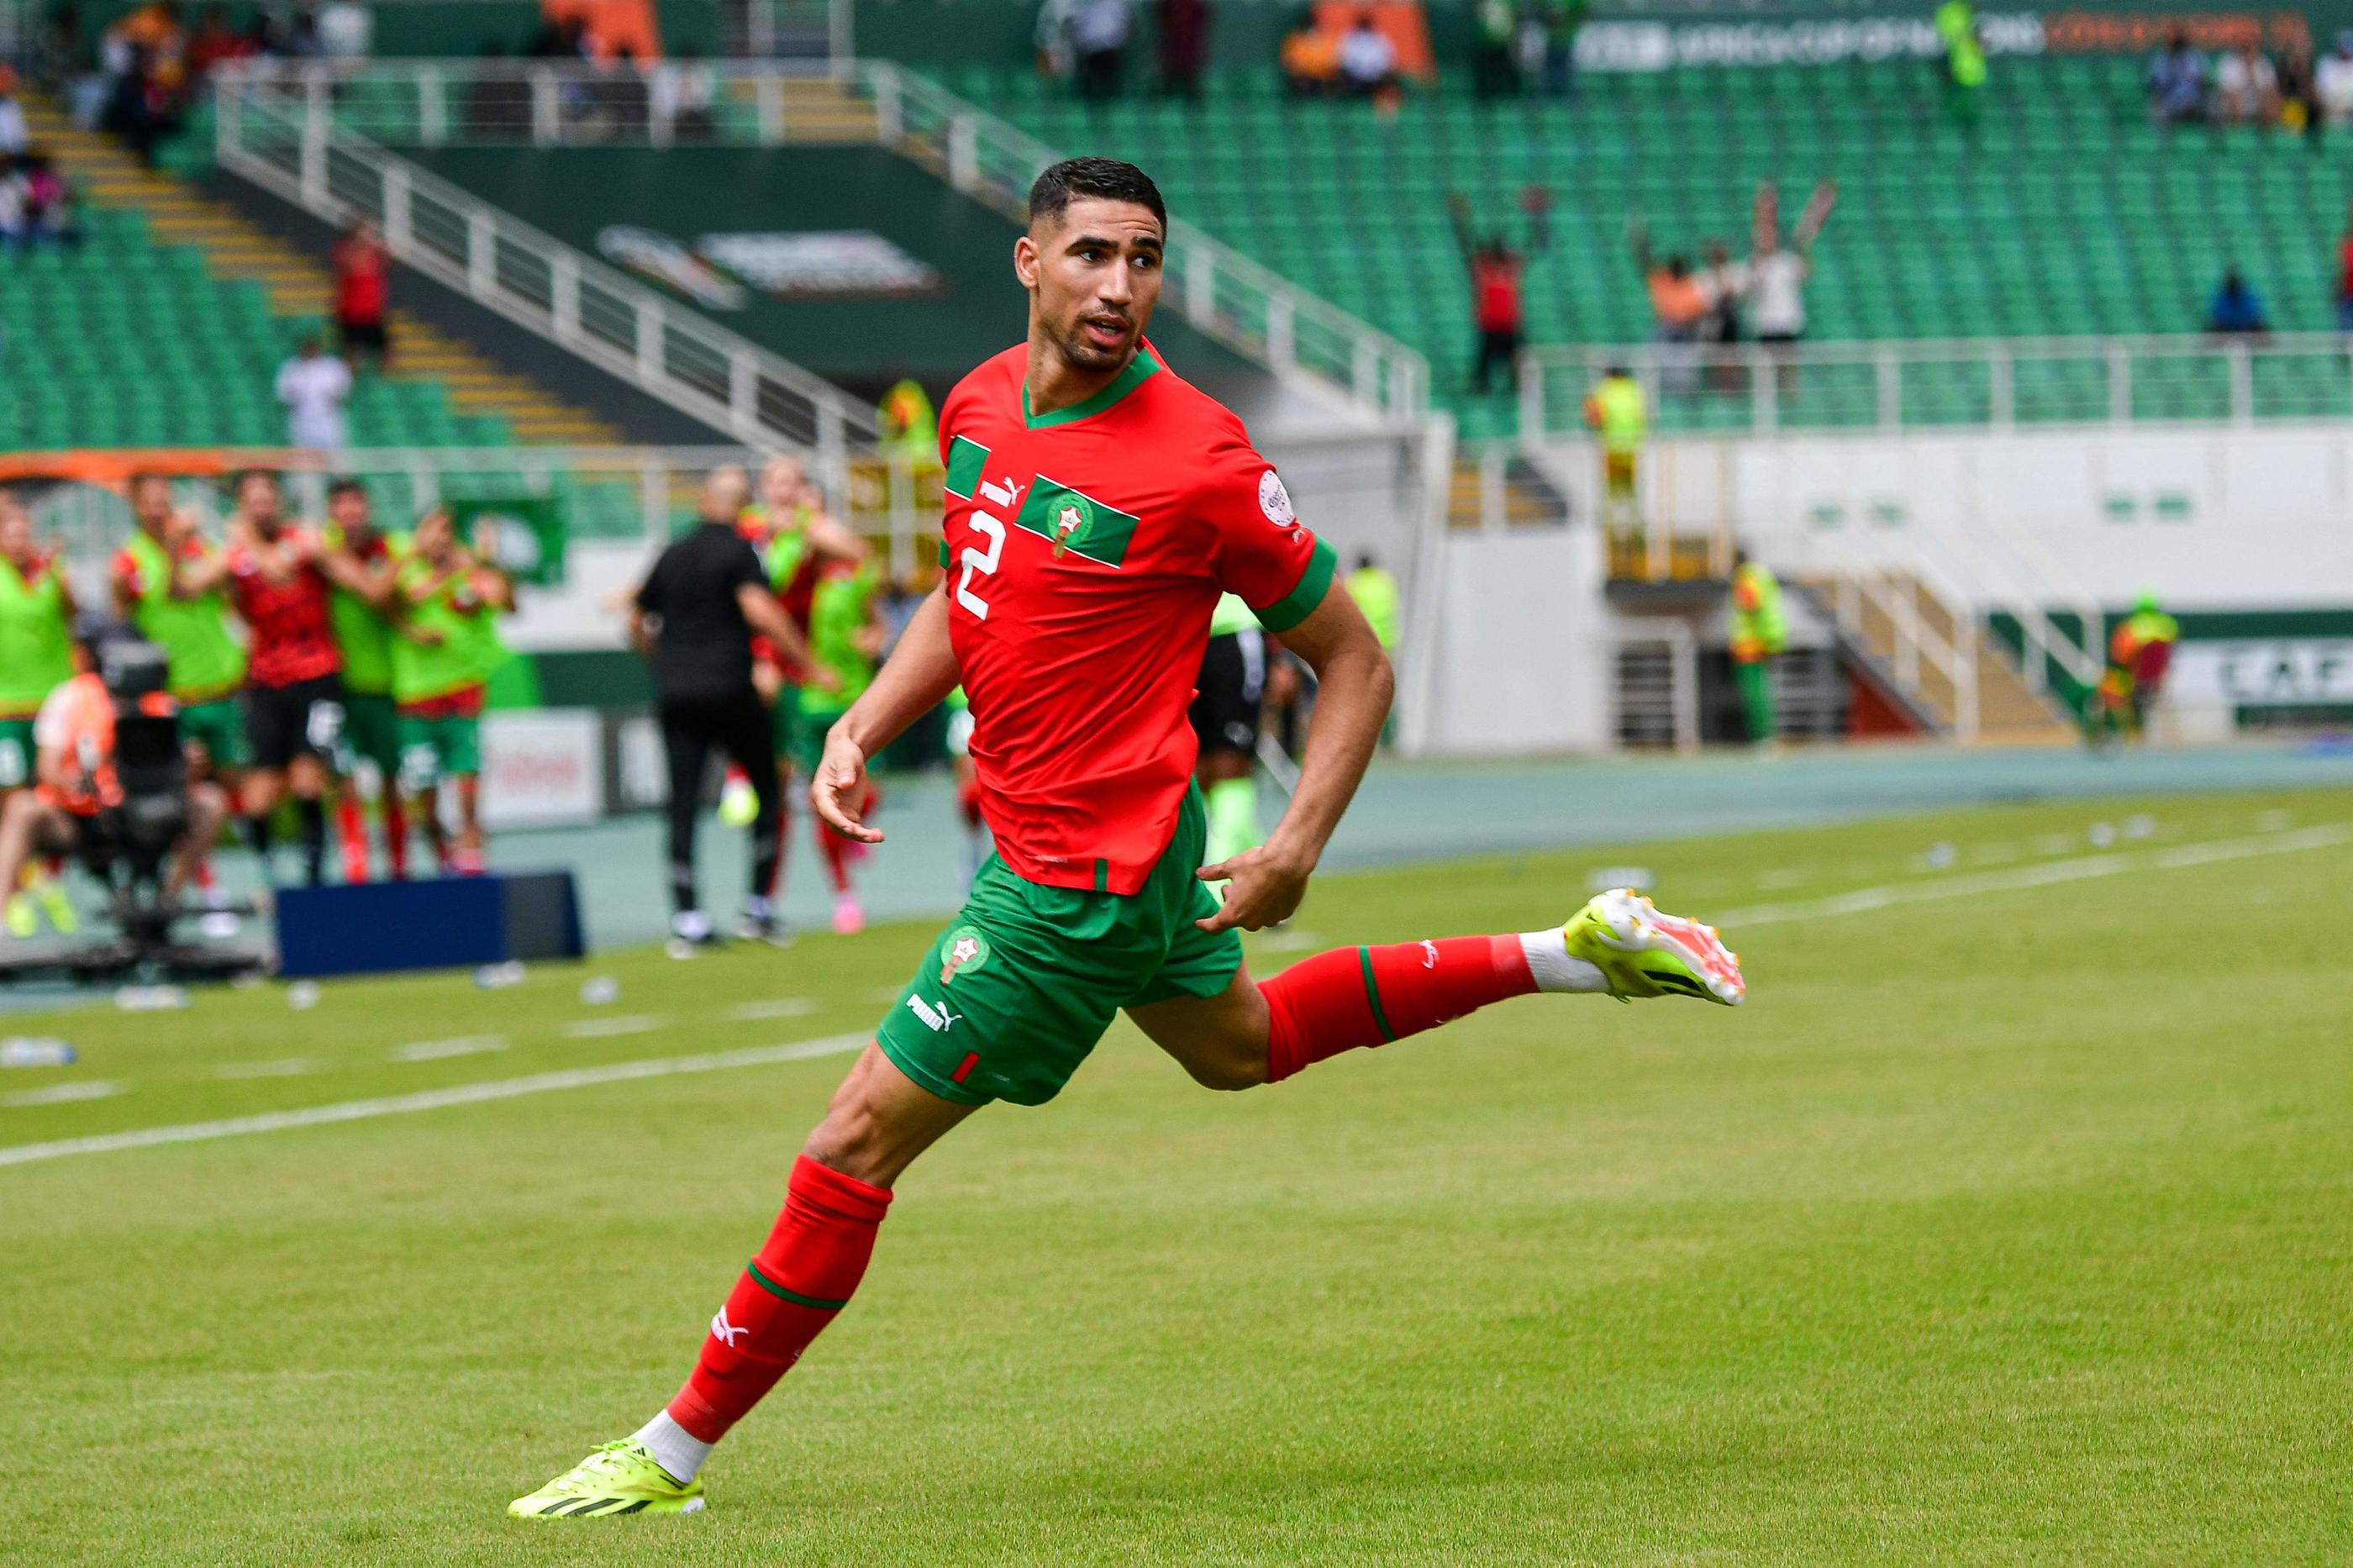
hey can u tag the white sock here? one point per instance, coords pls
(1555, 969)
(674, 1449)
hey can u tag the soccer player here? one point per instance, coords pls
(363, 635)
(36, 612)
(845, 636)
(278, 576)
(1098, 505)
(1231, 692)
(448, 647)
(694, 619)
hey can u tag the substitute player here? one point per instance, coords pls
(277, 576)
(845, 636)
(1227, 705)
(36, 612)
(363, 635)
(1098, 505)
(447, 647)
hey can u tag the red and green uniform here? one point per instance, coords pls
(438, 689)
(840, 609)
(36, 658)
(364, 637)
(207, 664)
(782, 542)
(1085, 550)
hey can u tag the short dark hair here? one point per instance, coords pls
(236, 480)
(344, 487)
(1105, 179)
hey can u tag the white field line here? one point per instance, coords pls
(63, 1093)
(430, 1099)
(776, 1008)
(435, 1050)
(1862, 900)
(290, 1067)
(605, 1028)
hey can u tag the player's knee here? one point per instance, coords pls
(1228, 1070)
(850, 1139)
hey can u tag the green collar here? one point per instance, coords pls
(1140, 369)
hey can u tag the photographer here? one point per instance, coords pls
(75, 779)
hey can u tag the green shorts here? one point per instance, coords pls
(811, 721)
(219, 728)
(17, 753)
(371, 730)
(1025, 980)
(432, 749)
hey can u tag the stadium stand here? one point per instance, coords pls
(2063, 212)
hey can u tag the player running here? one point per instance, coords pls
(277, 576)
(845, 636)
(36, 613)
(1097, 506)
(363, 635)
(449, 600)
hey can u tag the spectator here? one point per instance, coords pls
(312, 385)
(1619, 413)
(16, 205)
(2236, 309)
(1183, 46)
(2333, 82)
(214, 44)
(345, 31)
(1561, 21)
(14, 137)
(1726, 283)
(1099, 30)
(1495, 69)
(1368, 59)
(1054, 60)
(1497, 274)
(2177, 82)
(143, 110)
(498, 103)
(2345, 277)
(2246, 89)
(1964, 58)
(49, 201)
(1311, 59)
(2299, 113)
(682, 93)
(1777, 273)
(1678, 305)
(364, 295)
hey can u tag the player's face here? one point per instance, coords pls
(780, 482)
(150, 503)
(1094, 278)
(350, 510)
(15, 533)
(435, 534)
(257, 499)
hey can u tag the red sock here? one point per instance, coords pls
(806, 1273)
(836, 849)
(395, 834)
(1356, 996)
(351, 827)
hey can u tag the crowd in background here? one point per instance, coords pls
(2284, 89)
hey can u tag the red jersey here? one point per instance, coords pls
(292, 635)
(1495, 294)
(363, 287)
(1085, 549)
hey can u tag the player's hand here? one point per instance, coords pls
(826, 679)
(1264, 888)
(837, 794)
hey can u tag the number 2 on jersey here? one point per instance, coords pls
(980, 563)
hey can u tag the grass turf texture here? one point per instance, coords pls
(2012, 1227)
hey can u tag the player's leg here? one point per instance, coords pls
(794, 1286)
(1250, 1032)
(1225, 715)
(308, 780)
(748, 740)
(686, 750)
(207, 810)
(1756, 698)
(838, 854)
(262, 785)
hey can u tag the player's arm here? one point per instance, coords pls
(1810, 221)
(917, 678)
(767, 614)
(194, 579)
(1354, 686)
(343, 569)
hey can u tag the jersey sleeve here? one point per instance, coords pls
(126, 572)
(744, 568)
(1261, 551)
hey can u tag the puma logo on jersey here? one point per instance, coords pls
(939, 1020)
(1002, 492)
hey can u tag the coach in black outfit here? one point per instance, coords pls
(693, 619)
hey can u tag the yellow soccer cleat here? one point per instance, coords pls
(1644, 952)
(615, 1479)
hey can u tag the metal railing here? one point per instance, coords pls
(288, 145)
(1948, 383)
(1217, 291)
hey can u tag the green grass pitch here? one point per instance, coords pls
(2010, 1226)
